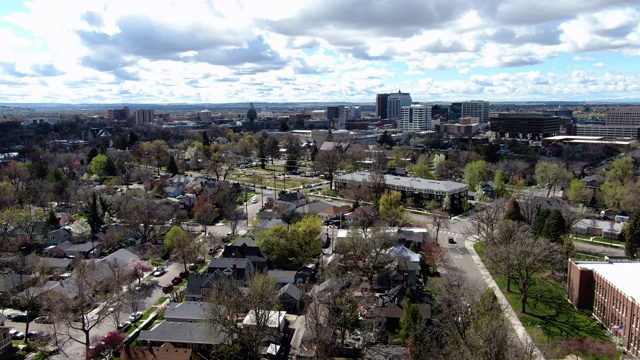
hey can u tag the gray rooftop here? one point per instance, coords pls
(188, 311)
(185, 333)
(410, 183)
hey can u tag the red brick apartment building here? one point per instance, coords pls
(611, 289)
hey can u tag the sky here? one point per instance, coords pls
(210, 51)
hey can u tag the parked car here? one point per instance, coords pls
(18, 317)
(38, 335)
(254, 201)
(176, 280)
(16, 335)
(159, 271)
(184, 274)
(135, 316)
(167, 288)
(193, 267)
(43, 320)
(451, 241)
(124, 326)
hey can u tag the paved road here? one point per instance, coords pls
(150, 293)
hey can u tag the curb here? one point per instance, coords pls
(518, 328)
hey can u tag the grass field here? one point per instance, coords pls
(550, 316)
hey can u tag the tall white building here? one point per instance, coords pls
(395, 102)
(416, 117)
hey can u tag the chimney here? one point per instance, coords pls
(235, 272)
(405, 279)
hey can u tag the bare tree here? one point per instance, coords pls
(145, 217)
(327, 162)
(500, 251)
(531, 257)
(258, 301)
(367, 253)
(440, 223)
(185, 249)
(483, 222)
(74, 312)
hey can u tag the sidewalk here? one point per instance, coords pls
(520, 331)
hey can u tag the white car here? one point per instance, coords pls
(135, 316)
(254, 201)
(159, 272)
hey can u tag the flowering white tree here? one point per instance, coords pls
(138, 267)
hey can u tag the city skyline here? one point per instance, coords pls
(311, 51)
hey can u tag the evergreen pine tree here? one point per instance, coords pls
(632, 237)
(95, 218)
(554, 226)
(172, 167)
(539, 221)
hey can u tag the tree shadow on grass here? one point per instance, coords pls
(555, 316)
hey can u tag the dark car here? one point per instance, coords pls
(193, 266)
(184, 274)
(18, 317)
(167, 288)
(38, 335)
(16, 335)
(176, 280)
(451, 241)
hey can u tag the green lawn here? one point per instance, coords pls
(550, 316)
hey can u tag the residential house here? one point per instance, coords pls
(313, 207)
(604, 228)
(290, 298)
(164, 352)
(360, 213)
(56, 237)
(276, 322)
(283, 276)
(199, 284)
(12, 283)
(194, 335)
(389, 310)
(334, 212)
(253, 253)
(593, 181)
(189, 311)
(292, 199)
(50, 265)
(6, 351)
(240, 268)
(403, 251)
(268, 224)
(81, 250)
(246, 240)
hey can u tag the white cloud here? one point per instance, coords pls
(201, 50)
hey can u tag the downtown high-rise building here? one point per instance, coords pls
(395, 102)
(144, 116)
(381, 105)
(416, 117)
(474, 108)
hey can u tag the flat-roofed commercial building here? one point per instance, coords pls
(609, 131)
(610, 290)
(537, 125)
(623, 118)
(420, 191)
